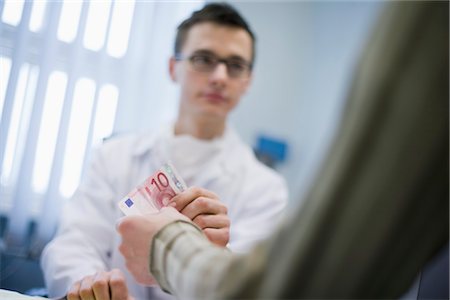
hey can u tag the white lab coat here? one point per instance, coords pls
(87, 241)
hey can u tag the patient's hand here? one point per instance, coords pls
(100, 286)
(137, 235)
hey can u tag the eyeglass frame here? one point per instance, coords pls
(227, 61)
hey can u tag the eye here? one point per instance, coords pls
(204, 60)
(236, 66)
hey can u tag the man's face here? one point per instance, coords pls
(214, 93)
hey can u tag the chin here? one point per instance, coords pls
(214, 112)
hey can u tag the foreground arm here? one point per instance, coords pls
(180, 253)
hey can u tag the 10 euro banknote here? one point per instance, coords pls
(154, 193)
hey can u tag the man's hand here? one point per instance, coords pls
(137, 233)
(100, 286)
(204, 208)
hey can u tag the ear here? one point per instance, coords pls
(172, 71)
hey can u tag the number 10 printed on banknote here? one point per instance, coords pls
(154, 193)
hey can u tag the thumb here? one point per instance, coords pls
(119, 222)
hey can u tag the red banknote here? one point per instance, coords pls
(154, 193)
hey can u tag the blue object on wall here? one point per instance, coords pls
(271, 150)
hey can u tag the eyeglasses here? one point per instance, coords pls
(207, 63)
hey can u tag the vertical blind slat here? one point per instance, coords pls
(103, 70)
(132, 91)
(2, 4)
(17, 59)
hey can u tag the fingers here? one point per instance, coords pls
(86, 292)
(119, 290)
(74, 291)
(219, 237)
(212, 221)
(203, 205)
(204, 209)
(215, 227)
(100, 286)
(180, 201)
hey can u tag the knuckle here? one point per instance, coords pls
(72, 295)
(117, 282)
(202, 202)
(196, 190)
(122, 226)
(100, 283)
(215, 196)
(200, 221)
(85, 291)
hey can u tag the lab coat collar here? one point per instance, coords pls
(228, 163)
(145, 141)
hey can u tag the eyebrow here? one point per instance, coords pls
(208, 52)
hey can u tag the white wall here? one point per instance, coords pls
(306, 52)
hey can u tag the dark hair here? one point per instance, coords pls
(218, 13)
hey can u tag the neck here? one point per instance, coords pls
(204, 129)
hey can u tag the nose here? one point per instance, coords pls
(220, 74)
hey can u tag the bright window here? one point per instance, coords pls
(105, 113)
(80, 119)
(37, 15)
(12, 12)
(26, 86)
(48, 131)
(120, 28)
(96, 26)
(68, 21)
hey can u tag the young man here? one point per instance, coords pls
(212, 64)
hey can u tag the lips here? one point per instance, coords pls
(215, 97)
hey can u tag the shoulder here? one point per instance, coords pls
(117, 161)
(126, 145)
(119, 154)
